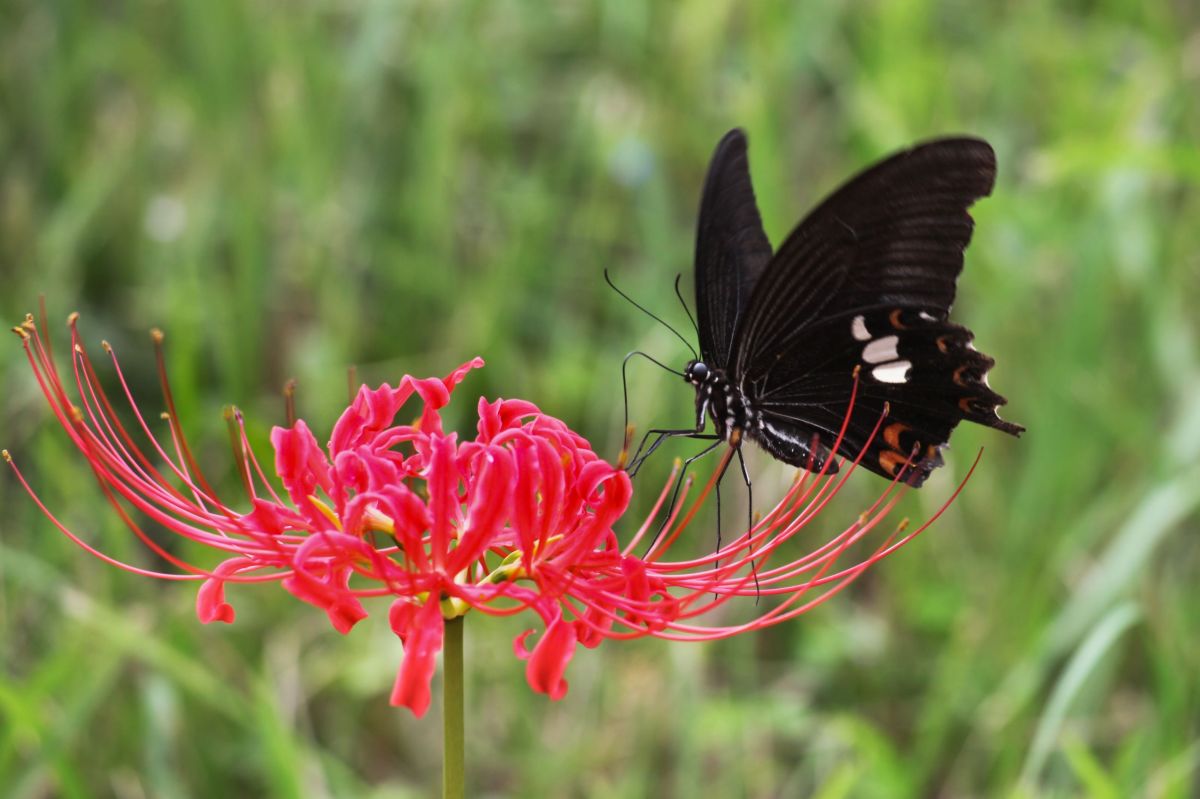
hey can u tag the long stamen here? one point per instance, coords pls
(289, 401)
(239, 453)
(156, 336)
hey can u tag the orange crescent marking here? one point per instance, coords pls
(892, 461)
(891, 434)
(942, 344)
(894, 318)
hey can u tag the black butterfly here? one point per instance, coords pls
(862, 287)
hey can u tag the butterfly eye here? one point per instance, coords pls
(697, 372)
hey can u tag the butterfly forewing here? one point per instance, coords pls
(893, 236)
(732, 249)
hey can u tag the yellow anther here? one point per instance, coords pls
(20, 331)
(377, 520)
(72, 318)
(326, 511)
(107, 347)
(76, 413)
(156, 335)
(7, 457)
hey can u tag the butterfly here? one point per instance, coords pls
(854, 302)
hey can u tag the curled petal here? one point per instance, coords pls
(436, 393)
(410, 518)
(420, 629)
(488, 507)
(301, 465)
(549, 659)
(342, 607)
(607, 491)
(322, 577)
(495, 417)
(373, 410)
(444, 508)
(271, 518)
(210, 600)
(369, 415)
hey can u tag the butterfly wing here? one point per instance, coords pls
(864, 285)
(732, 250)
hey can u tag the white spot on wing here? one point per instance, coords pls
(928, 317)
(894, 372)
(881, 350)
(858, 329)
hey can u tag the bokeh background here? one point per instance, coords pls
(288, 189)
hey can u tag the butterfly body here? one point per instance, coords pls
(855, 302)
(734, 418)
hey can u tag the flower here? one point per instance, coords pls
(518, 518)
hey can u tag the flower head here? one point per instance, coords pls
(518, 518)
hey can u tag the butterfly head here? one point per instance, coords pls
(697, 373)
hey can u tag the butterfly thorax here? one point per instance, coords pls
(719, 399)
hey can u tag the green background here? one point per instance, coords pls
(287, 189)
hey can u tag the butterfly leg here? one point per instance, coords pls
(716, 442)
(749, 516)
(749, 492)
(661, 435)
(721, 477)
(749, 495)
(749, 511)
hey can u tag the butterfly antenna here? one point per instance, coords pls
(625, 382)
(683, 302)
(635, 304)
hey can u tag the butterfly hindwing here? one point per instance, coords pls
(923, 370)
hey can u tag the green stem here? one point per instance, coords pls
(453, 736)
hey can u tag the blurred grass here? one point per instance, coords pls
(402, 185)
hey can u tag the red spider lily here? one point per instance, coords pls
(518, 518)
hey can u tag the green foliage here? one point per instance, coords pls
(287, 189)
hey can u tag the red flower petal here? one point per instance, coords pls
(301, 465)
(549, 659)
(421, 629)
(210, 600)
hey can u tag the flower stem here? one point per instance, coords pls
(453, 736)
